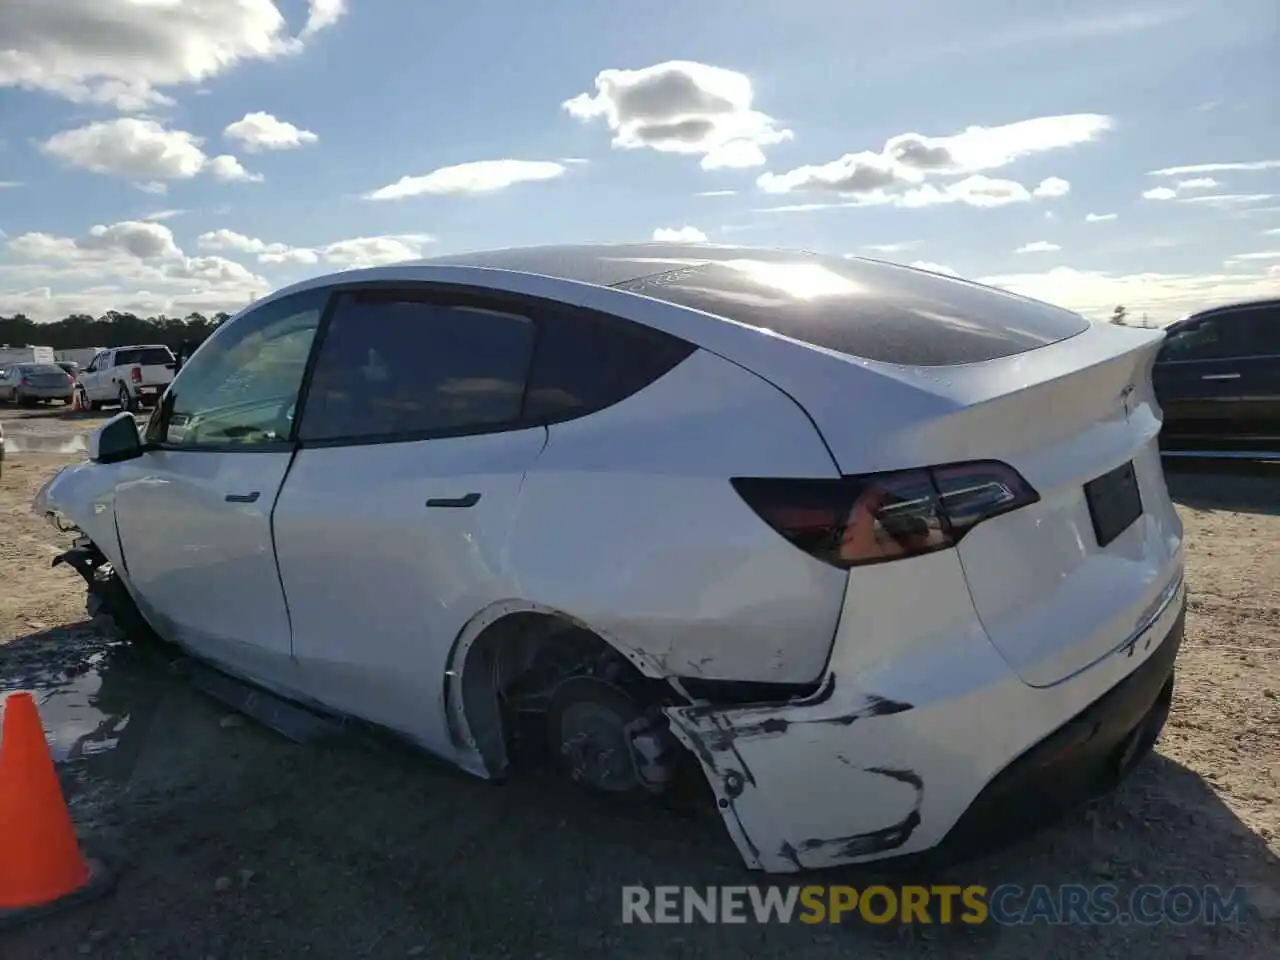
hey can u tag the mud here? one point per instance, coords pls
(232, 841)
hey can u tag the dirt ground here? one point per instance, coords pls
(230, 841)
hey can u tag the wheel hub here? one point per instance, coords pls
(602, 739)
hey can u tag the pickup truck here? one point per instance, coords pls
(126, 376)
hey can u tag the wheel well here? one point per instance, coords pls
(510, 669)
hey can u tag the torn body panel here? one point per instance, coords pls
(82, 496)
(917, 714)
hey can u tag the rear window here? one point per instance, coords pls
(877, 311)
(38, 369)
(147, 356)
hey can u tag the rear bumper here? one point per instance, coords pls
(47, 393)
(1088, 756)
(914, 748)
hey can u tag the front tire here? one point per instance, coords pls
(125, 400)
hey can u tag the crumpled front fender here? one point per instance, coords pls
(83, 496)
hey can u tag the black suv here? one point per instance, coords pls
(1217, 378)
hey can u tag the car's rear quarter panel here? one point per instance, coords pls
(628, 522)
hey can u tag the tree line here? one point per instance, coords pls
(111, 329)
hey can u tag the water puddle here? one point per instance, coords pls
(95, 697)
(34, 443)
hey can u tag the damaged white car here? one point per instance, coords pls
(888, 556)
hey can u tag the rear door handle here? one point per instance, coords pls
(470, 500)
(1221, 376)
(243, 497)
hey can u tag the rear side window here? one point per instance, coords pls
(863, 308)
(1262, 330)
(583, 363)
(394, 366)
(1214, 337)
(146, 356)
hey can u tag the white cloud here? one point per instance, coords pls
(935, 267)
(909, 158)
(1099, 217)
(227, 169)
(132, 252)
(262, 131)
(1038, 246)
(5, 184)
(716, 193)
(1199, 183)
(892, 247)
(1272, 232)
(375, 251)
(322, 14)
(154, 187)
(1052, 187)
(125, 53)
(1164, 296)
(140, 150)
(481, 176)
(679, 235)
(356, 252)
(1215, 168)
(164, 214)
(43, 303)
(1228, 199)
(1258, 255)
(851, 174)
(975, 191)
(681, 106)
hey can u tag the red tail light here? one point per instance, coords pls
(24, 382)
(853, 521)
(136, 374)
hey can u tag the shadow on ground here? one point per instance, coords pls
(233, 842)
(1242, 486)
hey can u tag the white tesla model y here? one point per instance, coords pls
(888, 556)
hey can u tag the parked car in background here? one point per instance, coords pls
(27, 384)
(882, 556)
(1217, 379)
(126, 376)
(70, 366)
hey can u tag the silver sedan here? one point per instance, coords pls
(30, 383)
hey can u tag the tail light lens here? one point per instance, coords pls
(873, 518)
(24, 382)
(135, 374)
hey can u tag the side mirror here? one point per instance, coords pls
(116, 440)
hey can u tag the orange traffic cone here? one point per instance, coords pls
(41, 866)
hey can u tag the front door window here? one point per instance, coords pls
(239, 390)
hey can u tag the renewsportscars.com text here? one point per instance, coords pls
(1006, 904)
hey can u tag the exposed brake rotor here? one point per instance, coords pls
(604, 740)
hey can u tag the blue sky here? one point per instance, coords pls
(163, 155)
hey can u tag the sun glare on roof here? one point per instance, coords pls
(803, 281)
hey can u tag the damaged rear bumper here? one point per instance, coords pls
(938, 772)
